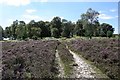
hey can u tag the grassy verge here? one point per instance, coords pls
(66, 59)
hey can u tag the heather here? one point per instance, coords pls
(29, 59)
(103, 53)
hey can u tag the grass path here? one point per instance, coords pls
(60, 65)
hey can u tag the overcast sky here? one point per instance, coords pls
(45, 10)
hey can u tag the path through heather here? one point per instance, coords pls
(61, 69)
(82, 69)
(85, 70)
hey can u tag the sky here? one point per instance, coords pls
(46, 10)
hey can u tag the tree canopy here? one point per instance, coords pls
(88, 25)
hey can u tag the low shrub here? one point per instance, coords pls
(102, 52)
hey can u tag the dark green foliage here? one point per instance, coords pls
(21, 30)
(67, 28)
(57, 25)
(79, 30)
(34, 37)
(45, 28)
(55, 33)
(1, 33)
(109, 34)
(13, 29)
(89, 31)
(90, 18)
(87, 26)
(7, 32)
(106, 30)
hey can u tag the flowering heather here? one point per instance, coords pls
(102, 52)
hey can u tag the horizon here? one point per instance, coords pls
(45, 11)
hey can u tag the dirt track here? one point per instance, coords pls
(85, 70)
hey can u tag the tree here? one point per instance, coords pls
(31, 25)
(45, 28)
(78, 30)
(87, 26)
(67, 27)
(89, 31)
(7, 32)
(89, 18)
(109, 33)
(48, 31)
(92, 16)
(56, 23)
(21, 30)
(96, 29)
(106, 27)
(36, 31)
(1, 33)
(55, 32)
(13, 28)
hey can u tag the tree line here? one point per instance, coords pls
(87, 26)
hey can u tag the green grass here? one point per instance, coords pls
(68, 69)
(66, 60)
